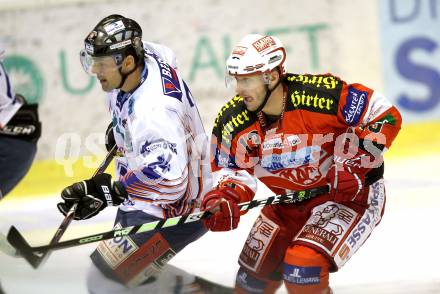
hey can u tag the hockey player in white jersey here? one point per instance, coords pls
(163, 170)
(20, 130)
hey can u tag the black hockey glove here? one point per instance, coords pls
(92, 195)
(24, 124)
(109, 138)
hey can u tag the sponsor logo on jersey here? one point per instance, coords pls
(344, 253)
(170, 80)
(160, 166)
(272, 144)
(356, 103)
(317, 93)
(312, 101)
(328, 82)
(370, 218)
(377, 126)
(231, 104)
(327, 226)
(234, 123)
(117, 250)
(149, 147)
(157, 168)
(250, 141)
(171, 88)
(264, 44)
(352, 162)
(159, 155)
(303, 156)
(302, 275)
(259, 240)
(361, 228)
(222, 159)
(292, 140)
(303, 175)
(365, 225)
(275, 143)
(249, 283)
(155, 251)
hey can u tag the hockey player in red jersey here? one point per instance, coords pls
(295, 132)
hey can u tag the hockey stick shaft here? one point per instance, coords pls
(22, 246)
(293, 197)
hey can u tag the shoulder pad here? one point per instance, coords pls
(232, 118)
(316, 93)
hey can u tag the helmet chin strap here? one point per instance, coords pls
(266, 98)
(125, 75)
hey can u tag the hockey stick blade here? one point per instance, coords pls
(289, 198)
(28, 252)
(23, 247)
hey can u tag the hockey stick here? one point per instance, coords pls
(7, 248)
(17, 240)
(292, 197)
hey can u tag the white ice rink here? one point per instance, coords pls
(402, 255)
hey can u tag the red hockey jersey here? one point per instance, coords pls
(296, 151)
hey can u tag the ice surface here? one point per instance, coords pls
(401, 256)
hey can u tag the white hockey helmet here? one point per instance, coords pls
(256, 54)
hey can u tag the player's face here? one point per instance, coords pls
(107, 72)
(253, 90)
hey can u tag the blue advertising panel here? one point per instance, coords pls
(410, 35)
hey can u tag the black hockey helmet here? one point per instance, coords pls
(115, 35)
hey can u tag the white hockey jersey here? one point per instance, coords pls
(8, 104)
(157, 127)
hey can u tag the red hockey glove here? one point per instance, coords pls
(346, 184)
(222, 202)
